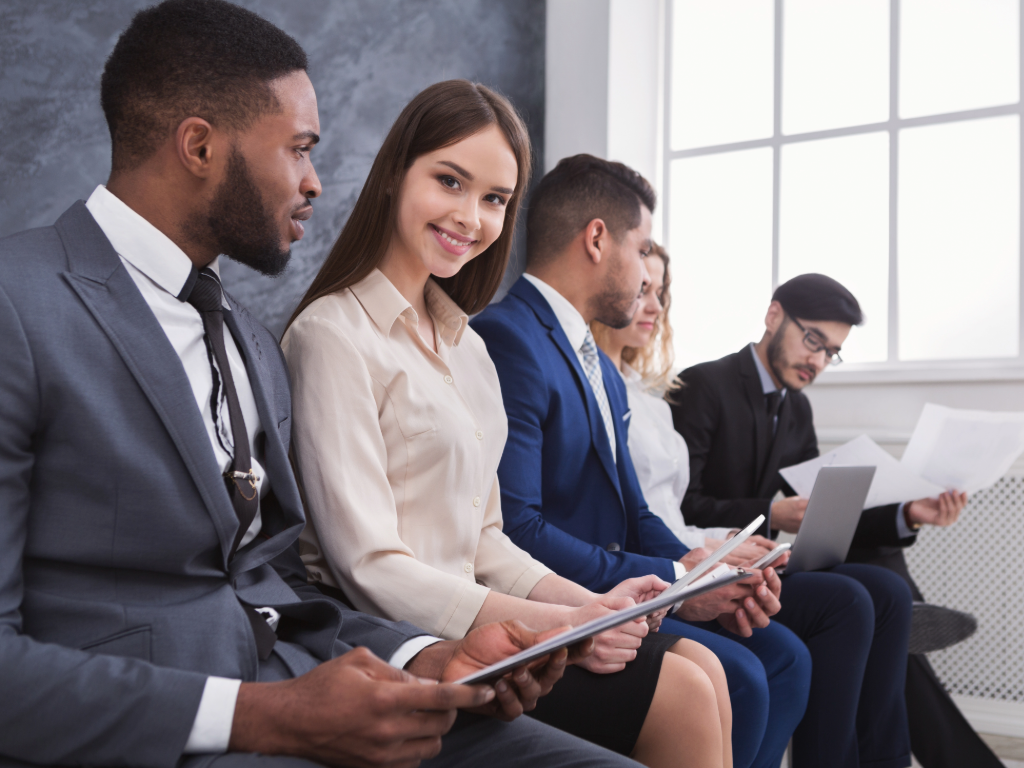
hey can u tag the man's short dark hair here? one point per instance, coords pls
(191, 58)
(578, 190)
(818, 297)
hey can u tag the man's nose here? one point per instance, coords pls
(311, 184)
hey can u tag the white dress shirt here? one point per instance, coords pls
(661, 460)
(767, 385)
(573, 325)
(160, 269)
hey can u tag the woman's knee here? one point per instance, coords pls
(686, 681)
(707, 661)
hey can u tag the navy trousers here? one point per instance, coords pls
(769, 677)
(855, 621)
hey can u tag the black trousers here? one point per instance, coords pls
(940, 736)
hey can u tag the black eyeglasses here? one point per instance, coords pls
(812, 342)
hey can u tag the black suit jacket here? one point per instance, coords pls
(735, 462)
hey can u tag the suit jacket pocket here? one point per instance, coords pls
(135, 643)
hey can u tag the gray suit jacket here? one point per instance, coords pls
(117, 599)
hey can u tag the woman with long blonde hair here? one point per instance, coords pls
(643, 353)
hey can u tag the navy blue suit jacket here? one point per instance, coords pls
(564, 499)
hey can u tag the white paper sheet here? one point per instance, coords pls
(965, 450)
(893, 482)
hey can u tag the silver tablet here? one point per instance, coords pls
(596, 627)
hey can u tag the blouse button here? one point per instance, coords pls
(476, 501)
(468, 567)
(448, 379)
(479, 434)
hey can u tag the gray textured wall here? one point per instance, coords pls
(367, 59)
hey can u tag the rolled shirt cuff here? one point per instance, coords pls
(211, 730)
(903, 530)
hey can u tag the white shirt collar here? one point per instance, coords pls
(140, 243)
(572, 322)
(767, 385)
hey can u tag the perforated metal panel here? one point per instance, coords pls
(977, 566)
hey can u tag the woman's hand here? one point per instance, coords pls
(614, 648)
(641, 589)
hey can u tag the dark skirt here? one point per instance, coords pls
(608, 710)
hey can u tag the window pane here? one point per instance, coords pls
(957, 54)
(722, 71)
(835, 64)
(720, 233)
(834, 219)
(959, 203)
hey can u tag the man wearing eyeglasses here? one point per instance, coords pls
(745, 416)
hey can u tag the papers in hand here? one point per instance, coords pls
(950, 450)
(965, 450)
(893, 482)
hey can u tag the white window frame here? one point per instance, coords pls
(892, 370)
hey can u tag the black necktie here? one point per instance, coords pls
(772, 401)
(207, 297)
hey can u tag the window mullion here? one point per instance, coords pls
(894, 103)
(776, 143)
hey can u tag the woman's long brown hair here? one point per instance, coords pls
(441, 115)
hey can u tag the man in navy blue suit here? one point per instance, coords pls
(571, 498)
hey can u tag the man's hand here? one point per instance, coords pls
(750, 551)
(353, 710)
(518, 691)
(788, 513)
(942, 511)
(695, 556)
(640, 590)
(738, 607)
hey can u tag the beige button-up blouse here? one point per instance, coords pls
(397, 451)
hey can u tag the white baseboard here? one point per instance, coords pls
(1004, 718)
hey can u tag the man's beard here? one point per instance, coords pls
(777, 360)
(239, 224)
(614, 306)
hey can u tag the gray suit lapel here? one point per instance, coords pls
(102, 283)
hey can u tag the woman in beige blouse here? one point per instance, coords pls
(399, 427)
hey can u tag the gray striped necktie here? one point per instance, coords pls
(592, 367)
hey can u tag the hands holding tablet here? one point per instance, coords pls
(739, 607)
(519, 690)
(749, 551)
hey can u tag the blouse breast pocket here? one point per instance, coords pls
(415, 411)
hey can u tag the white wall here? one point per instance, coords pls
(576, 79)
(603, 83)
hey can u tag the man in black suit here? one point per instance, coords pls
(745, 416)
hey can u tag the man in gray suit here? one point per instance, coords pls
(152, 601)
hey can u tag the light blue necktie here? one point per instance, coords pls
(592, 367)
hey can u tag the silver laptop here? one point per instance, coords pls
(833, 511)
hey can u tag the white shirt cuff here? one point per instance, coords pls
(410, 648)
(902, 529)
(680, 569)
(211, 730)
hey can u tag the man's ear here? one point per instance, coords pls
(195, 146)
(772, 320)
(595, 240)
